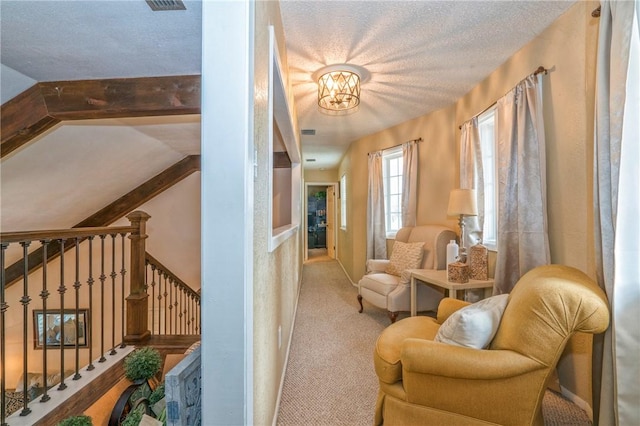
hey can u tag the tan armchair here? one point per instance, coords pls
(423, 382)
(392, 292)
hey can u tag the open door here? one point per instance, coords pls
(320, 205)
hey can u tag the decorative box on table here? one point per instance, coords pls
(479, 262)
(458, 272)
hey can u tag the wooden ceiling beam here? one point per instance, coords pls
(109, 214)
(23, 118)
(46, 104)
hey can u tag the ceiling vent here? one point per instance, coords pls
(157, 5)
(311, 160)
(309, 132)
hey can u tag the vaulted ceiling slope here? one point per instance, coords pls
(75, 168)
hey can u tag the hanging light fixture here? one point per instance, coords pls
(338, 89)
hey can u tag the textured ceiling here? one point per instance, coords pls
(421, 55)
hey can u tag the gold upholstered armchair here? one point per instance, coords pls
(502, 380)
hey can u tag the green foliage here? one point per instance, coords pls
(133, 418)
(157, 394)
(142, 364)
(163, 416)
(76, 421)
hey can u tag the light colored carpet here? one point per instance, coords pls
(330, 379)
(317, 255)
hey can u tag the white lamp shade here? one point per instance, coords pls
(462, 202)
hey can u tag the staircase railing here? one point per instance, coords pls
(99, 307)
(174, 306)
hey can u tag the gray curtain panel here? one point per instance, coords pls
(523, 241)
(376, 232)
(617, 208)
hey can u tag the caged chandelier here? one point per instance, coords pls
(338, 89)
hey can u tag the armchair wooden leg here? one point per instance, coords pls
(360, 301)
(393, 316)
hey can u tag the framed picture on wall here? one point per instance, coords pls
(52, 328)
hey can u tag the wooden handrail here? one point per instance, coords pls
(62, 234)
(153, 261)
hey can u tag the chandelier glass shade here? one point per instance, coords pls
(338, 91)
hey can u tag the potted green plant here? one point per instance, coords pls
(142, 364)
(76, 421)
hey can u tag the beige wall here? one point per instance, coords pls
(568, 49)
(438, 148)
(277, 273)
(321, 175)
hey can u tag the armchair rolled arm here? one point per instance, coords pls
(439, 359)
(447, 307)
(376, 265)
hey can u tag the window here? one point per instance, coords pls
(392, 178)
(343, 202)
(486, 129)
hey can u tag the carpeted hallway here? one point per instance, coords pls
(330, 378)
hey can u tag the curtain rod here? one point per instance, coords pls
(395, 146)
(538, 70)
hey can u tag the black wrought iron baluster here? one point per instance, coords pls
(182, 311)
(159, 301)
(102, 278)
(175, 305)
(24, 300)
(165, 302)
(76, 286)
(44, 294)
(113, 275)
(189, 300)
(153, 299)
(62, 290)
(90, 282)
(123, 272)
(191, 314)
(185, 305)
(198, 317)
(170, 306)
(3, 354)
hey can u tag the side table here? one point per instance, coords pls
(438, 279)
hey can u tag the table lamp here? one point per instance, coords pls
(462, 202)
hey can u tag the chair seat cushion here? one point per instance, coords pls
(380, 283)
(389, 344)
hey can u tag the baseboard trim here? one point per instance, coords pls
(346, 274)
(286, 357)
(578, 401)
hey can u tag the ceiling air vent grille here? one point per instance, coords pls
(309, 132)
(157, 5)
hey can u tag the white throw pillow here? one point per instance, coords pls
(474, 325)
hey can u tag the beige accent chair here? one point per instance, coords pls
(424, 382)
(393, 292)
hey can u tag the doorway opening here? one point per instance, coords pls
(320, 238)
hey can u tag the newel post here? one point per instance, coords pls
(137, 306)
